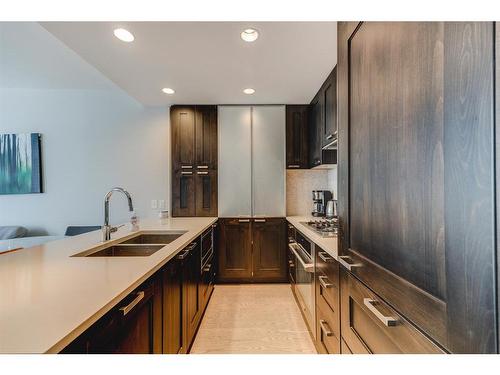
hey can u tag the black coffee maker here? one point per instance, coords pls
(320, 197)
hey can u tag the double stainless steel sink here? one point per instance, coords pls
(142, 245)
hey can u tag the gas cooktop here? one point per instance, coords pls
(323, 227)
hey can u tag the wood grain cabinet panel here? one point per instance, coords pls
(172, 307)
(297, 138)
(235, 250)
(269, 249)
(194, 160)
(329, 92)
(415, 111)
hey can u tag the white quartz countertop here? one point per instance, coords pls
(329, 244)
(48, 298)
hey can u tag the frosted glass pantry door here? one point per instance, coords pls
(234, 168)
(268, 161)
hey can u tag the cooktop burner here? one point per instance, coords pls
(324, 227)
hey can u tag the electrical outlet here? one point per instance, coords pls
(161, 204)
(154, 204)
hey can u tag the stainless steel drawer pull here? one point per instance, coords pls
(330, 136)
(202, 167)
(207, 268)
(389, 321)
(183, 172)
(243, 220)
(186, 166)
(323, 280)
(126, 309)
(260, 220)
(347, 265)
(325, 257)
(324, 327)
(294, 166)
(308, 267)
(202, 172)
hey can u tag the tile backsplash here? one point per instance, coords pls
(299, 185)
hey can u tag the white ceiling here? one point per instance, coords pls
(207, 62)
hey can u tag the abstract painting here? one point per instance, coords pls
(20, 164)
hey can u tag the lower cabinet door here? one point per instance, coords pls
(191, 310)
(172, 308)
(369, 325)
(269, 250)
(235, 250)
(134, 326)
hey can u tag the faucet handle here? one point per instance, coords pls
(114, 229)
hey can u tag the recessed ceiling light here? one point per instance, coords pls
(249, 35)
(124, 35)
(249, 91)
(168, 90)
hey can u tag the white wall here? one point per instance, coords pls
(92, 138)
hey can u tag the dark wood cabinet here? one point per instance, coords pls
(329, 92)
(132, 327)
(183, 193)
(191, 310)
(369, 325)
(297, 137)
(172, 307)
(315, 128)
(416, 118)
(269, 250)
(327, 290)
(323, 124)
(235, 250)
(194, 160)
(252, 250)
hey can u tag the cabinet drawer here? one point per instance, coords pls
(327, 329)
(327, 279)
(369, 325)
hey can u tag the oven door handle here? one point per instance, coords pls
(308, 267)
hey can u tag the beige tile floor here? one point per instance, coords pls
(253, 319)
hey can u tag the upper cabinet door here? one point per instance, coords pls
(268, 161)
(416, 173)
(315, 130)
(235, 158)
(329, 93)
(183, 133)
(206, 137)
(296, 136)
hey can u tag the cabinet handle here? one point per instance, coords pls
(389, 321)
(184, 172)
(243, 220)
(325, 257)
(260, 220)
(323, 324)
(207, 268)
(186, 166)
(308, 267)
(186, 251)
(294, 166)
(324, 283)
(202, 172)
(126, 309)
(349, 266)
(202, 167)
(330, 136)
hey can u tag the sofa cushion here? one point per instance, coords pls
(6, 233)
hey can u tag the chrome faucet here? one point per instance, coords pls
(108, 229)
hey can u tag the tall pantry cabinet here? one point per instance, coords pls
(252, 193)
(194, 160)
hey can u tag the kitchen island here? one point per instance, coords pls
(48, 297)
